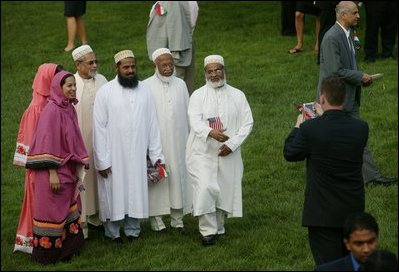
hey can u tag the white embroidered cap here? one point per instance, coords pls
(123, 55)
(81, 51)
(160, 51)
(213, 59)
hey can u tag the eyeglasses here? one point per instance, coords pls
(217, 71)
(90, 62)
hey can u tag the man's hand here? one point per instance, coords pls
(54, 181)
(318, 109)
(224, 150)
(218, 135)
(366, 80)
(158, 163)
(299, 120)
(104, 173)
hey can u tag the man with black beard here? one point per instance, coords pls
(125, 127)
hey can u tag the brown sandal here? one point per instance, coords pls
(295, 50)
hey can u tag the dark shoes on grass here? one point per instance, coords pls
(382, 181)
(208, 240)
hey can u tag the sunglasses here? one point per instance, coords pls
(90, 62)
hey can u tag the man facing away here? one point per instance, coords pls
(337, 56)
(88, 81)
(220, 121)
(125, 127)
(172, 196)
(171, 25)
(333, 146)
(360, 235)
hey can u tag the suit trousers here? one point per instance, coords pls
(380, 15)
(326, 244)
(288, 18)
(188, 73)
(369, 169)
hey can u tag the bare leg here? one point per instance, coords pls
(71, 27)
(299, 16)
(81, 30)
(316, 47)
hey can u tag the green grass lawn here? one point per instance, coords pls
(247, 34)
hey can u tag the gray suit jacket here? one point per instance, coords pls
(335, 58)
(173, 31)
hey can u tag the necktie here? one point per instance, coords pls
(352, 53)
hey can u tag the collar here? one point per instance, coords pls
(333, 111)
(355, 263)
(347, 32)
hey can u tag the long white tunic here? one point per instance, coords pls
(217, 180)
(171, 100)
(125, 126)
(86, 90)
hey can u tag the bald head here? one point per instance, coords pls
(347, 13)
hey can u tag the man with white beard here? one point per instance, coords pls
(220, 120)
(88, 81)
(173, 195)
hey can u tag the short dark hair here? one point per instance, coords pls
(334, 89)
(359, 221)
(381, 260)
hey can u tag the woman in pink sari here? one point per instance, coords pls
(41, 91)
(57, 155)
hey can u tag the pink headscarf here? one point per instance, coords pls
(44, 76)
(57, 139)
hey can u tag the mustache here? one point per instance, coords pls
(128, 82)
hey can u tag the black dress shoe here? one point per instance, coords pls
(387, 56)
(208, 240)
(132, 238)
(181, 230)
(163, 231)
(94, 227)
(382, 181)
(118, 240)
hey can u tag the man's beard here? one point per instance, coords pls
(218, 84)
(164, 79)
(92, 73)
(127, 82)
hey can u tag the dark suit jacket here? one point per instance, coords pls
(343, 264)
(335, 58)
(333, 146)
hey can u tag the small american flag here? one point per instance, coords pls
(159, 9)
(309, 110)
(215, 123)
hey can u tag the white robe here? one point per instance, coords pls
(171, 100)
(86, 90)
(217, 180)
(125, 126)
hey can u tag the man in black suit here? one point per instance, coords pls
(380, 15)
(333, 145)
(360, 238)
